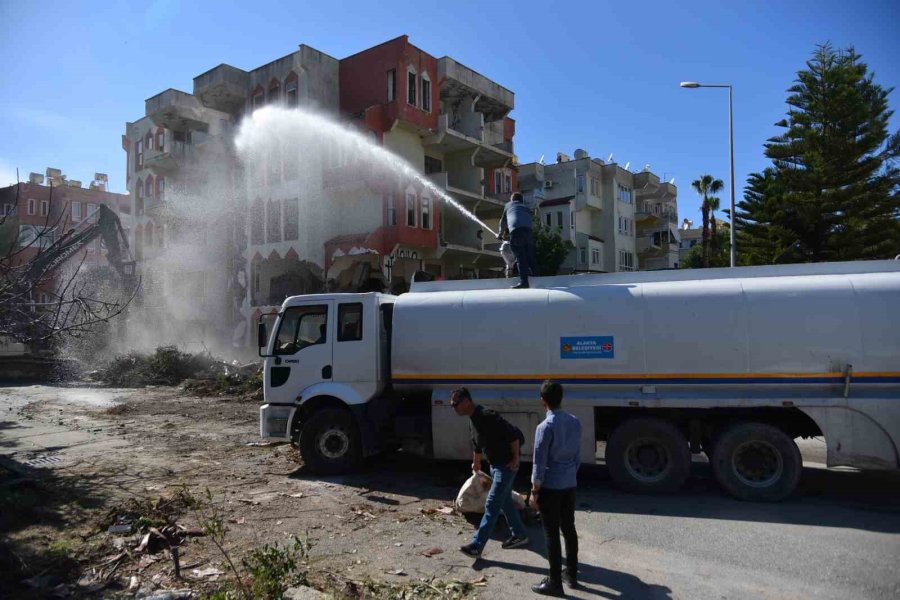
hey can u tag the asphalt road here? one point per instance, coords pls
(838, 538)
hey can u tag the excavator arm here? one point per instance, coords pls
(108, 227)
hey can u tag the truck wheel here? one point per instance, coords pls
(755, 461)
(329, 442)
(648, 455)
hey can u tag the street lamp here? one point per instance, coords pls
(694, 84)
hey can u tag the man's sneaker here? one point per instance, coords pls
(548, 587)
(520, 286)
(570, 579)
(471, 550)
(515, 542)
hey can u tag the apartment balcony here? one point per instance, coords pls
(468, 134)
(655, 214)
(459, 81)
(222, 88)
(656, 244)
(176, 110)
(175, 157)
(645, 182)
(483, 206)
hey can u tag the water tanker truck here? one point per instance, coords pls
(733, 363)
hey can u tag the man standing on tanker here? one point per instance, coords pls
(500, 441)
(516, 225)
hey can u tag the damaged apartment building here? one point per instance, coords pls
(306, 224)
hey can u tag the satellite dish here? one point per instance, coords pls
(672, 181)
(647, 167)
(628, 164)
(610, 157)
(541, 159)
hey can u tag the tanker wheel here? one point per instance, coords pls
(330, 443)
(758, 462)
(648, 455)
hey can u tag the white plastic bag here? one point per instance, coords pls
(474, 492)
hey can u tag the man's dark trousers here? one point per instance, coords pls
(557, 509)
(521, 240)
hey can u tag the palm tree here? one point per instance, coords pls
(706, 186)
(713, 202)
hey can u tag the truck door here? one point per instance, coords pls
(302, 354)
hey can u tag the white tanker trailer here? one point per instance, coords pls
(736, 363)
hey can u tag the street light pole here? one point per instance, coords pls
(694, 84)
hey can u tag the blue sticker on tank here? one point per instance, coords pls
(596, 346)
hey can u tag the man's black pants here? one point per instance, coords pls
(557, 509)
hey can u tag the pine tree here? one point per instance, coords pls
(836, 188)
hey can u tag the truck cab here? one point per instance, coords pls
(327, 357)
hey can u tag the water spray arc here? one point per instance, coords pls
(302, 131)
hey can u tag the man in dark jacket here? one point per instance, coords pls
(516, 225)
(500, 442)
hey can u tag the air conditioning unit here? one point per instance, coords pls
(548, 184)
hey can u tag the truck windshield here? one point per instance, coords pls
(301, 327)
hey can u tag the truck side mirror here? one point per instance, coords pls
(261, 337)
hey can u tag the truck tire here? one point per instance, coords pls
(648, 455)
(757, 462)
(329, 442)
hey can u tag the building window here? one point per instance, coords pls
(572, 215)
(410, 210)
(259, 99)
(91, 210)
(581, 184)
(148, 140)
(290, 91)
(32, 206)
(392, 85)
(626, 226)
(595, 256)
(549, 217)
(291, 219)
(559, 220)
(426, 213)
(161, 140)
(9, 209)
(148, 187)
(626, 261)
(433, 165)
(350, 322)
(76, 211)
(139, 155)
(45, 208)
(498, 182)
(624, 194)
(411, 87)
(391, 209)
(507, 183)
(595, 187)
(274, 91)
(273, 221)
(582, 255)
(426, 93)
(160, 186)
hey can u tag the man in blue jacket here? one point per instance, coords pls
(557, 455)
(516, 225)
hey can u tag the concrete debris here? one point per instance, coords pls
(304, 593)
(211, 572)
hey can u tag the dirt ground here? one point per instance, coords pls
(77, 460)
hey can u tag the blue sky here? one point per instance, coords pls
(596, 75)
